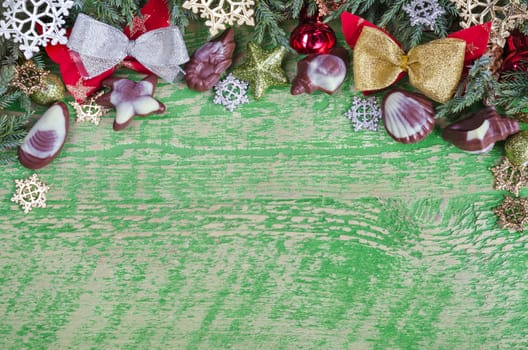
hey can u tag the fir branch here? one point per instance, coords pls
(479, 85)
(268, 15)
(12, 133)
(512, 94)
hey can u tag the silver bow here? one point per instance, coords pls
(101, 47)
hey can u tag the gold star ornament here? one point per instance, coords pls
(262, 69)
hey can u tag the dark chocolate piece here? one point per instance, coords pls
(207, 64)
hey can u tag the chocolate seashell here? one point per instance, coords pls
(479, 131)
(45, 139)
(408, 117)
(324, 72)
(208, 62)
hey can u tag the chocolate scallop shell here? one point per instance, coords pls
(408, 117)
(478, 132)
(46, 138)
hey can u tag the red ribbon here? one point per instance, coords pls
(155, 14)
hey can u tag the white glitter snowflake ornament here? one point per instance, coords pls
(217, 15)
(424, 12)
(365, 113)
(30, 193)
(34, 23)
(231, 92)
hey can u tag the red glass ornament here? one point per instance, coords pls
(517, 41)
(516, 61)
(313, 37)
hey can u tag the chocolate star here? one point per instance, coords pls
(262, 69)
(130, 98)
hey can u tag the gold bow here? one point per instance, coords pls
(434, 68)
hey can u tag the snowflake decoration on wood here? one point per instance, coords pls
(239, 12)
(34, 23)
(510, 177)
(89, 111)
(513, 213)
(30, 193)
(424, 12)
(365, 113)
(231, 92)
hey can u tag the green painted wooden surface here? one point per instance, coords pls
(274, 227)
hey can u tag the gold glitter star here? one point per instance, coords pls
(79, 91)
(138, 25)
(29, 78)
(30, 193)
(262, 69)
(513, 213)
(510, 177)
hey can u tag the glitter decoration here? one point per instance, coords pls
(30, 193)
(262, 68)
(239, 12)
(365, 113)
(513, 213)
(510, 177)
(89, 111)
(34, 23)
(424, 12)
(474, 12)
(231, 93)
(29, 78)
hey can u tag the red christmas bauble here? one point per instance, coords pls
(516, 61)
(313, 37)
(516, 41)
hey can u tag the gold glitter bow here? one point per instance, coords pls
(434, 68)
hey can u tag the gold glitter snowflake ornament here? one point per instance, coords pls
(29, 78)
(510, 177)
(513, 213)
(217, 16)
(30, 193)
(89, 111)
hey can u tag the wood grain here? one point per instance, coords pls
(273, 227)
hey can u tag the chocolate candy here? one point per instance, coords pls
(46, 138)
(207, 64)
(479, 131)
(321, 72)
(408, 117)
(130, 99)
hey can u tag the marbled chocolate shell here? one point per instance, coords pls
(408, 117)
(479, 131)
(324, 72)
(45, 139)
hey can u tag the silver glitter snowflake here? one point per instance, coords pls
(30, 193)
(365, 113)
(424, 12)
(34, 23)
(231, 92)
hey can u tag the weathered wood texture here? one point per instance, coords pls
(274, 227)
